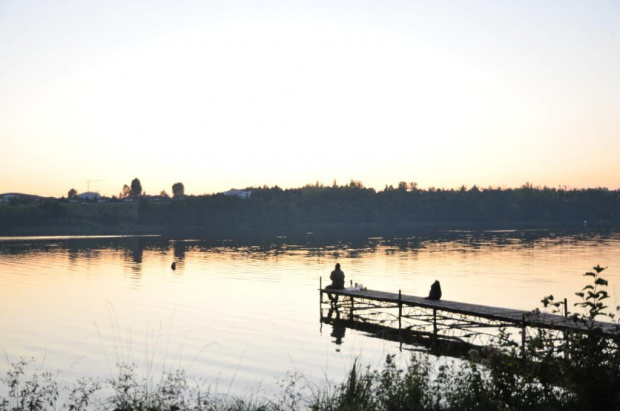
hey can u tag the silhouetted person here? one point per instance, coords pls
(435, 293)
(174, 266)
(337, 277)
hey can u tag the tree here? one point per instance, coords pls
(178, 190)
(136, 188)
(125, 193)
(356, 184)
(72, 193)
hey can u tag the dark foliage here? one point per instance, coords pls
(349, 205)
(354, 204)
(178, 190)
(136, 187)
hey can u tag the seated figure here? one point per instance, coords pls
(337, 277)
(435, 293)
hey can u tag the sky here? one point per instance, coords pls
(234, 94)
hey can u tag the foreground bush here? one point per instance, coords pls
(419, 386)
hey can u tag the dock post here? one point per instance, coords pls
(523, 331)
(321, 297)
(400, 310)
(566, 332)
(434, 324)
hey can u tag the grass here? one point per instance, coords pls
(420, 385)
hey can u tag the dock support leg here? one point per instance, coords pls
(400, 311)
(351, 309)
(320, 297)
(523, 335)
(434, 326)
(566, 332)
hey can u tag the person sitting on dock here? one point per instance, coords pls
(337, 277)
(435, 293)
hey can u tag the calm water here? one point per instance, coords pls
(242, 314)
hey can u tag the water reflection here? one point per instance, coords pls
(179, 249)
(343, 246)
(408, 339)
(252, 301)
(338, 330)
(134, 252)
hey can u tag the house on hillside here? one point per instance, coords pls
(6, 198)
(239, 193)
(157, 198)
(88, 196)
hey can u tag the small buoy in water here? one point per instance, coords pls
(174, 266)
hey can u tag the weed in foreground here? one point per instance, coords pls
(39, 391)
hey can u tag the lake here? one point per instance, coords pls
(240, 314)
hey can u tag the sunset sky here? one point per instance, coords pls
(231, 94)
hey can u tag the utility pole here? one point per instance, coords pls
(88, 184)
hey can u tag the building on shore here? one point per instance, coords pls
(88, 196)
(239, 193)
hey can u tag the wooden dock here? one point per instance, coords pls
(472, 323)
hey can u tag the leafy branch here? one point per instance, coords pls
(592, 295)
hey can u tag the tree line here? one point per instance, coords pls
(355, 204)
(350, 204)
(135, 191)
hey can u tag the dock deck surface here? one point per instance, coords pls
(508, 315)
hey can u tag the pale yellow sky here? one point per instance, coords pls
(234, 94)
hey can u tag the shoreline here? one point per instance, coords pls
(304, 230)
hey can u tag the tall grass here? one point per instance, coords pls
(420, 385)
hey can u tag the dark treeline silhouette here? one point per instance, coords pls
(355, 204)
(350, 204)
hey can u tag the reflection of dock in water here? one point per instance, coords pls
(431, 323)
(415, 341)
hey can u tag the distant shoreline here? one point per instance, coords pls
(320, 210)
(301, 230)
